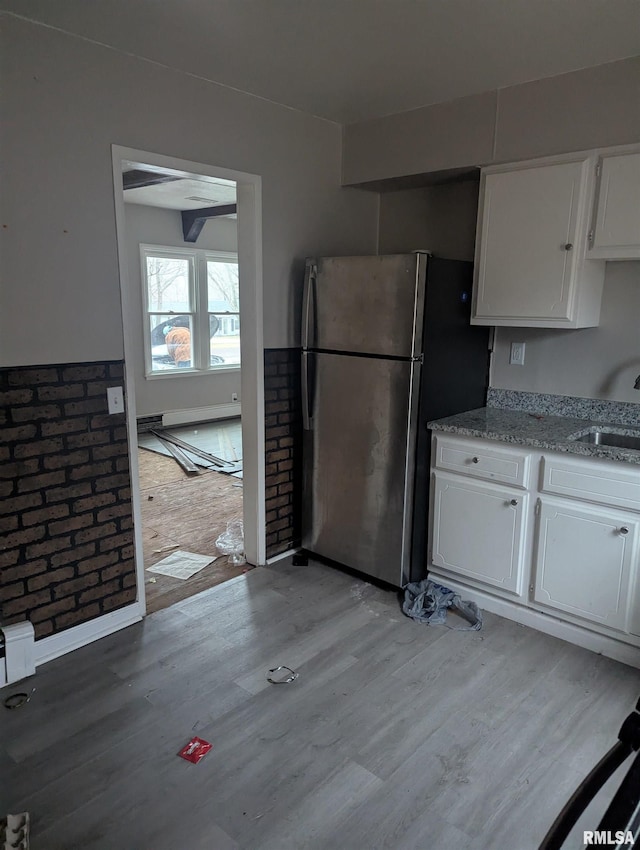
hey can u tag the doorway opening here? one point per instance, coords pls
(189, 255)
(187, 510)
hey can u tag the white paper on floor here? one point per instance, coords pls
(182, 564)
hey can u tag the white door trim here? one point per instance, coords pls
(249, 201)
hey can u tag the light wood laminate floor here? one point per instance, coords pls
(396, 735)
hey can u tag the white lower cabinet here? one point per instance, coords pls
(566, 563)
(584, 561)
(478, 531)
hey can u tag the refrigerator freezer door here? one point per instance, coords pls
(359, 460)
(366, 305)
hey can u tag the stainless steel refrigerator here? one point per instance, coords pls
(387, 346)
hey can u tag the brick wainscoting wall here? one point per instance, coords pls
(66, 545)
(283, 446)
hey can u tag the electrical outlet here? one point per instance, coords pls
(517, 354)
(234, 396)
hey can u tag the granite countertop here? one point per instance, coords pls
(539, 431)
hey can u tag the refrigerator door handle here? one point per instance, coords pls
(307, 298)
(306, 417)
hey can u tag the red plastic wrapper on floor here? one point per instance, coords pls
(195, 750)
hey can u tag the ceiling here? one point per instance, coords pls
(184, 194)
(350, 60)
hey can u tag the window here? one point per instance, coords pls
(192, 310)
(223, 302)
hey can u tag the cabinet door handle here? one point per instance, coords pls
(475, 459)
(624, 530)
(514, 502)
(568, 246)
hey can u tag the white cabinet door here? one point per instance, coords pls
(616, 234)
(532, 239)
(584, 561)
(478, 531)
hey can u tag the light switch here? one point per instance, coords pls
(115, 400)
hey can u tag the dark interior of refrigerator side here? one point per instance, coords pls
(454, 377)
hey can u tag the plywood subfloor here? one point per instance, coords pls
(396, 735)
(184, 512)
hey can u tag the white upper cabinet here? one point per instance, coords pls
(533, 224)
(616, 230)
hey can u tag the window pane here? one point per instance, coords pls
(171, 343)
(223, 291)
(225, 339)
(168, 284)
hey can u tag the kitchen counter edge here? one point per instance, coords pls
(553, 433)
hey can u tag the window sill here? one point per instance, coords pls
(185, 373)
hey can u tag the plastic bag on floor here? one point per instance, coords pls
(231, 542)
(428, 602)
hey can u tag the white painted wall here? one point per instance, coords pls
(65, 102)
(591, 108)
(449, 135)
(440, 219)
(600, 362)
(154, 226)
(577, 111)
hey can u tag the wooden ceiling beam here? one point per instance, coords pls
(194, 220)
(136, 178)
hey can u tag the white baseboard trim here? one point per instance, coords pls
(201, 414)
(281, 556)
(56, 645)
(594, 641)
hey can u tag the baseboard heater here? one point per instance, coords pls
(146, 423)
(14, 832)
(201, 414)
(19, 659)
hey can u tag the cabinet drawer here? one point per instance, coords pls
(603, 483)
(483, 459)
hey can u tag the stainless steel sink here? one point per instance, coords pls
(604, 437)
